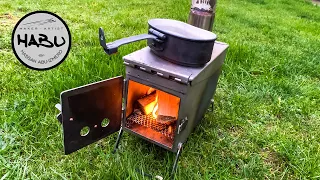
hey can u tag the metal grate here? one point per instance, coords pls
(150, 122)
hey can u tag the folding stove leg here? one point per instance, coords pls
(174, 168)
(211, 107)
(118, 140)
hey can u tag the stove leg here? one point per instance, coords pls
(174, 168)
(211, 107)
(118, 140)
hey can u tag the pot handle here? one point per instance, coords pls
(112, 47)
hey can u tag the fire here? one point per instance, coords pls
(154, 112)
(155, 108)
(149, 103)
(149, 108)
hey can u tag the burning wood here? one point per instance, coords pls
(137, 112)
(163, 106)
(166, 119)
(148, 103)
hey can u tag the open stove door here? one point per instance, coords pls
(91, 112)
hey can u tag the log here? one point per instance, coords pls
(167, 120)
(137, 112)
(147, 103)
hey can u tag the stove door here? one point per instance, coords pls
(91, 112)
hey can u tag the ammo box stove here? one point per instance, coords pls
(169, 90)
(166, 91)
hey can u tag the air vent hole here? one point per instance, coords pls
(85, 131)
(105, 122)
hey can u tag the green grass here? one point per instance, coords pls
(266, 121)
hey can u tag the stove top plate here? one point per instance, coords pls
(148, 61)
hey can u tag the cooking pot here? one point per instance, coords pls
(172, 40)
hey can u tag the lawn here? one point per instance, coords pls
(266, 122)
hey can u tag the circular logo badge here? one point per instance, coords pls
(41, 40)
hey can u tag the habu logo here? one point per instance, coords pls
(41, 40)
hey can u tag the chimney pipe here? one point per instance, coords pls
(202, 13)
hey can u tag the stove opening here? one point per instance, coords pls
(152, 113)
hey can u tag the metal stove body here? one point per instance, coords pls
(194, 86)
(88, 105)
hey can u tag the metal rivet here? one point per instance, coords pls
(71, 119)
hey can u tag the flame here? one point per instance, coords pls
(153, 106)
(154, 112)
(149, 108)
(155, 109)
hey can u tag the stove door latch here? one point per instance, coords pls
(183, 124)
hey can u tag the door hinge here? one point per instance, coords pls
(183, 124)
(124, 97)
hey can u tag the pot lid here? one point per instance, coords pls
(181, 30)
